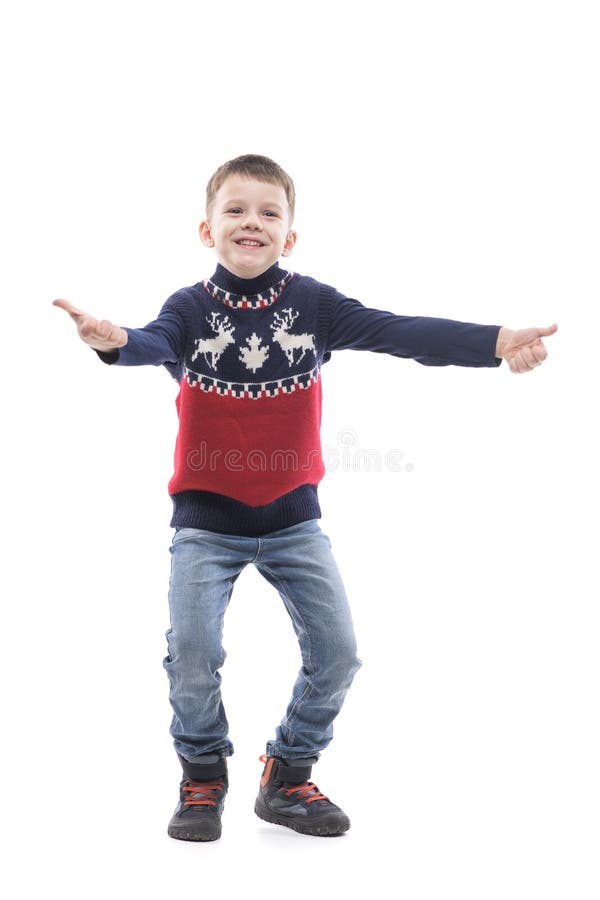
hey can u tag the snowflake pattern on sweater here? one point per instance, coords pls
(250, 395)
(272, 343)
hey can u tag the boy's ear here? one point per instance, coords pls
(206, 234)
(290, 241)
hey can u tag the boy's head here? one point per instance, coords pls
(249, 213)
(259, 168)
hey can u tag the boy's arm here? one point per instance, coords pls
(157, 343)
(432, 341)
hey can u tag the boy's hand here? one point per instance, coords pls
(523, 350)
(101, 335)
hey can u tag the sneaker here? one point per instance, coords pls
(197, 816)
(287, 797)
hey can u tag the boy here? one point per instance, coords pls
(246, 347)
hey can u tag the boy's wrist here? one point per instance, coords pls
(501, 341)
(107, 356)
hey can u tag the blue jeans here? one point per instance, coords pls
(298, 562)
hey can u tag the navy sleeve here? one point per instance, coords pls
(161, 342)
(430, 341)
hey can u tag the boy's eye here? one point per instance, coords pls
(237, 210)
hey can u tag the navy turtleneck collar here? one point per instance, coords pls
(231, 283)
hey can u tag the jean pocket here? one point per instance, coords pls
(185, 534)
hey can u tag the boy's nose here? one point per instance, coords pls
(251, 220)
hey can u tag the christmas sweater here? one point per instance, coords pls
(247, 354)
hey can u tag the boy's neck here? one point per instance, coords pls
(226, 280)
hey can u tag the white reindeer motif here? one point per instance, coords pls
(215, 346)
(290, 342)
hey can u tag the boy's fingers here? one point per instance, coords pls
(98, 334)
(539, 351)
(68, 307)
(88, 328)
(107, 331)
(532, 359)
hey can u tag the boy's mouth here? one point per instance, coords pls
(246, 242)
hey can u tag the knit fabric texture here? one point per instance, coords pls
(247, 354)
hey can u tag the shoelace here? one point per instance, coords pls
(303, 790)
(202, 787)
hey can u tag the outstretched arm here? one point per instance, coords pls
(523, 350)
(160, 342)
(433, 341)
(98, 334)
(429, 341)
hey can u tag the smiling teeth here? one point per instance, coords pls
(251, 243)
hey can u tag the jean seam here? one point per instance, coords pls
(221, 714)
(259, 549)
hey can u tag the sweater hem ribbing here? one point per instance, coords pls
(224, 515)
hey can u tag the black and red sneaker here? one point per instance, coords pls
(197, 816)
(287, 797)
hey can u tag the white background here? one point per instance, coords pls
(445, 156)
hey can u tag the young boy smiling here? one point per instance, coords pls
(246, 347)
(249, 223)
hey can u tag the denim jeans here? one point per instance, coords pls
(298, 562)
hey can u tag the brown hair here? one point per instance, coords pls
(252, 166)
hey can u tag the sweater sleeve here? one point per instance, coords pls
(161, 342)
(430, 341)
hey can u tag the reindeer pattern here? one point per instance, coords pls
(224, 331)
(253, 353)
(289, 343)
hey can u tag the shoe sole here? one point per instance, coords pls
(186, 835)
(324, 829)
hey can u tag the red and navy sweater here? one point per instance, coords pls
(247, 354)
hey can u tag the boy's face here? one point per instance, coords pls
(249, 226)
